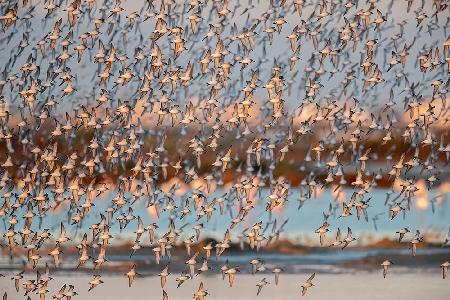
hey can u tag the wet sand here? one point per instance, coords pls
(370, 286)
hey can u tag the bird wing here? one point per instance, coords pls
(231, 279)
(349, 232)
(259, 290)
(311, 278)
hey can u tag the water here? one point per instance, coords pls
(299, 229)
(301, 222)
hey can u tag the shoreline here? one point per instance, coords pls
(369, 286)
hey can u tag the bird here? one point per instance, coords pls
(254, 263)
(402, 233)
(131, 275)
(160, 122)
(444, 267)
(260, 285)
(204, 267)
(386, 264)
(337, 242)
(277, 271)
(163, 274)
(70, 293)
(165, 296)
(95, 281)
(60, 294)
(308, 284)
(416, 240)
(181, 279)
(321, 231)
(201, 292)
(348, 239)
(17, 277)
(231, 272)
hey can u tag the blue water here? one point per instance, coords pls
(299, 228)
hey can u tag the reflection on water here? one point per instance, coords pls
(302, 222)
(301, 225)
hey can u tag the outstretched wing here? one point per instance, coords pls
(311, 278)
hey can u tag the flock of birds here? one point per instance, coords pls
(219, 93)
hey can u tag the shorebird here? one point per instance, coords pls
(254, 263)
(231, 272)
(260, 285)
(416, 240)
(70, 293)
(337, 242)
(131, 275)
(349, 238)
(201, 292)
(60, 294)
(95, 282)
(308, 284)
(402, 233)
(194, 115)
(277, 272)
(204, 267)
(386, 264)
(321, 231)
(191, 264)
(163, 274)
(17, 279)
(181, 279)
(444, 267)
